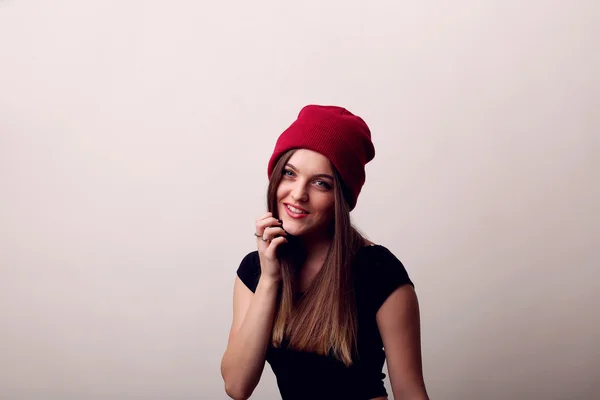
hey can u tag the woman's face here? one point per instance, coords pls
(305, 196)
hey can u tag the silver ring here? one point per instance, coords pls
(264, 240)
(257, 235)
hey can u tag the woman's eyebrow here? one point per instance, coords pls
(323, 176)
(314, 176)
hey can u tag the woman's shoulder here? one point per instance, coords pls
(374, 255)
(249, 270)
(378, 272)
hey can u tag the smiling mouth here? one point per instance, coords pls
(295, 210)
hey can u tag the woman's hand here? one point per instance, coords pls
(270, 235)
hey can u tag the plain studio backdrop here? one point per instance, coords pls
(133, 151)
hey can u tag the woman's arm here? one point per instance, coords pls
(249, 337)
(399, 325)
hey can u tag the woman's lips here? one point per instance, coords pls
(293, 214)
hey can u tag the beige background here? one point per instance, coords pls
(133, 149)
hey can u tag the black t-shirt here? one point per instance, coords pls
(302, 375)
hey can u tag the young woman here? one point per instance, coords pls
(317, 300)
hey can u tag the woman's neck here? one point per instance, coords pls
(315, 246)
(314, 252)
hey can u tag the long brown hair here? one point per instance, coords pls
(324, 319)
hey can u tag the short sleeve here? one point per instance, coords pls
(249, 270)
(379, 274)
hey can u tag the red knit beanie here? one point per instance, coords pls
(336, 133)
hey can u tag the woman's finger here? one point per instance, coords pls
(271, 232)
(263, 224)
(265, 216)
(271, 250)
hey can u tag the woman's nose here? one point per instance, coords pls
(299, 193)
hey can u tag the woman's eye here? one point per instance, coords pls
(288, 172)
(324, 184)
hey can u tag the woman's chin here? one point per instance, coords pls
(292, 231)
